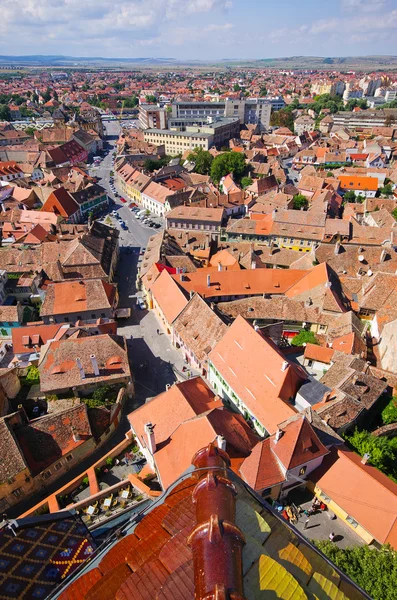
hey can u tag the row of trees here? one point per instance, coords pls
(375, 571)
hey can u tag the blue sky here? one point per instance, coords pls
(198, 29)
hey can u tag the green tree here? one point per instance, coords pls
(263, 91)
(131, 102)
(30, 130)
(387, 190)
(5, 114)
(350, 196)
(202, 159)
(382, 451)
(246, 182)
(47, 95)
(300, 202)
(394, 213)
(304, 337)
(375, 571)
(151, 164)
(236, 87)
(283, 118)
(151, 99)
(229, 162)
(389, 413)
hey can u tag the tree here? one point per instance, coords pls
(131, 102)
(300, 202)
(246, 182)
(304, 337)
(394, 213)
(236, 87)
(47, 95)
(375, 571)
(151, 99)
(350, 196)
(5, 114)
(202, 159)
(382, 451)
(387, 190)
(389, 413)
(229, 162)
(283, 118)
(30, 130)
(151, 164)
(263, 91)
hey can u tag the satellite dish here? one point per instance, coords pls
(369, 272)
(361, 258)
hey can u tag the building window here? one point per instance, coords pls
(266, 492)
(17, 493)
(325, 497)
(302, 471)
(352, 521)
(58, 466)
(46, 474)
(11, 480)
(69, 457)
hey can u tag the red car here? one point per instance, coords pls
(132, 205)
(123, 200)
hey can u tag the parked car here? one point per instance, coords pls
(123, 200)
(123, 226)
(141, 303)
(157, 225)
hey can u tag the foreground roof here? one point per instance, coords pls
(210, 537)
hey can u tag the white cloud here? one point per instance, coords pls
(120, 24)
(362, 5)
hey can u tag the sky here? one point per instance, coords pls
(198, 29)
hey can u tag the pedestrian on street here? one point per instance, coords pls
(305, 526)
(331, 537)
(158, 331)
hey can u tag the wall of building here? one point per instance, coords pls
(86, 315)
(340, 513)
(222, 389)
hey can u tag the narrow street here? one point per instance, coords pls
(145, 346)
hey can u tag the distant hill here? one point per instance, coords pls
(360, 63)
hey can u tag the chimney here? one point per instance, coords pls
(279, 435)
(2, 207)
(212, 305)
(182, 276)
(219, 266)
(221, 442)
(337, 248)
(383, 256)
(191, 294)
(80, 366)
(151, 442)
(365, 458)
(76, 435)
(253, 264)
(284, 366)
(208, 280)
(94, 363)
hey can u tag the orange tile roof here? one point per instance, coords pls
(355, 182)
(362, 491)
(240, 283)
(320, 353)
(168, 296)
(181, 402)
(258, 373)
(29, 339)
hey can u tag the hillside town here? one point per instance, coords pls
(198, 331)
